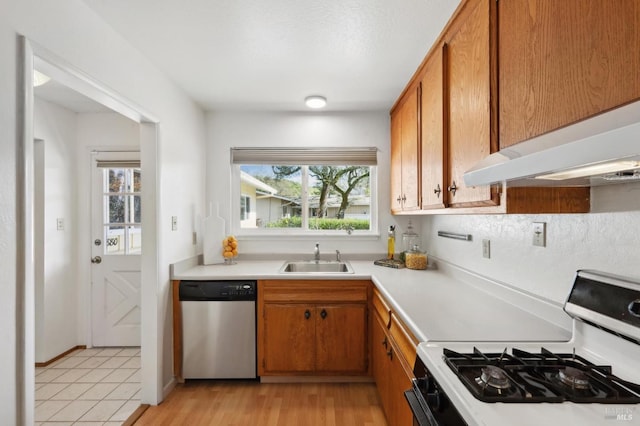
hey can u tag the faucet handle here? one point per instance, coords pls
(338, 255)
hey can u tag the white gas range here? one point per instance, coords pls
(592, 379)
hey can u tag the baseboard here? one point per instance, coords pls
(62, 355)
(168, 388)
(136, 415)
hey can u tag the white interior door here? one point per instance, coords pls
(116, 249)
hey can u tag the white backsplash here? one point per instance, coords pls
(607, 239)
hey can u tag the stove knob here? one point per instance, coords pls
(634, 308)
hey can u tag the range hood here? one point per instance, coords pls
(600, 150)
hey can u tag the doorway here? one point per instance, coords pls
(35, 57)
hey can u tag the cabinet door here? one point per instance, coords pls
(289, 338)
(396, 161)
(341, 338)
(471, 113)
(563, 61)
(380, 345)
(404, 154)
(432, 121)
(400, 381)
(410, 160)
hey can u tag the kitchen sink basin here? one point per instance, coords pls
(317, 267)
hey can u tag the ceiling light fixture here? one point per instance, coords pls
(39, 79)
(315, 101)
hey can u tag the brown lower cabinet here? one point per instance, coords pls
(393, 355)
(313, 327)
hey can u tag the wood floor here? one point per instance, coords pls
(250, 403)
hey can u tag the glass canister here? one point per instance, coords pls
(415, 258)
(409, 238)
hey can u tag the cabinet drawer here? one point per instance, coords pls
(404, 340)
(381, 308)
(293, 291)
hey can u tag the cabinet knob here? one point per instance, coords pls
(399, 199)
(323, 314)
(390, 353)
(404, 198)
(453, 188)
(437, 191)
(384, 342)
(307, 314)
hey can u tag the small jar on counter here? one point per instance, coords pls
(415, 258)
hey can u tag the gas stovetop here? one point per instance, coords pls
(522, 376)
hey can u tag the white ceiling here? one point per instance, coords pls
(271, 54)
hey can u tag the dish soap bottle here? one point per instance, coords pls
(391, 242)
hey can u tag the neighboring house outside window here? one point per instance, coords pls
(304, 191)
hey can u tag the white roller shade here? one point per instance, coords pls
(305, 156)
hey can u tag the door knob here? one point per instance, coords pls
(96, 259)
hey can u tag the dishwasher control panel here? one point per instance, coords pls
(202, 291)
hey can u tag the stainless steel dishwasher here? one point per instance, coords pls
(218, 329)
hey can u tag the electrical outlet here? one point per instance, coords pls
(60, 224)
(174, 223)
(540, 234)
(486, 249)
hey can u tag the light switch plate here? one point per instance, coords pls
(60, 224)
(540, 234)
(174, 223)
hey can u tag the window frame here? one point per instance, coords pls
(303, 231)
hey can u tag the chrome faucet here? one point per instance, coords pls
(337, 255)
(316, 252)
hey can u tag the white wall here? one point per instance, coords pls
(228, 130)
(71, 31)
(606, 239)
(56, 290)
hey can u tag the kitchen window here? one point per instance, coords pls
(304, 191)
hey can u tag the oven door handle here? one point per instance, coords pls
(421, 413)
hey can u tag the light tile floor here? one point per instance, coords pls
(97, 386)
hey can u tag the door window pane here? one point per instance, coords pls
(122, 211)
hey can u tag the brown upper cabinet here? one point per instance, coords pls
(404, 154)
(434, 150)
(455, 113)
(470, 88)
(564, 61)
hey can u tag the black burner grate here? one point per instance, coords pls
(540, 377)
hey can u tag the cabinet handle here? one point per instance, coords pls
(323, 314)
(390, 354)
(384, 342)
(399, 199)
(437, 191)
(453, 188)
(404, 198)
(307, 314)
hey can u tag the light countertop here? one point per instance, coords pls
(443, 303)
